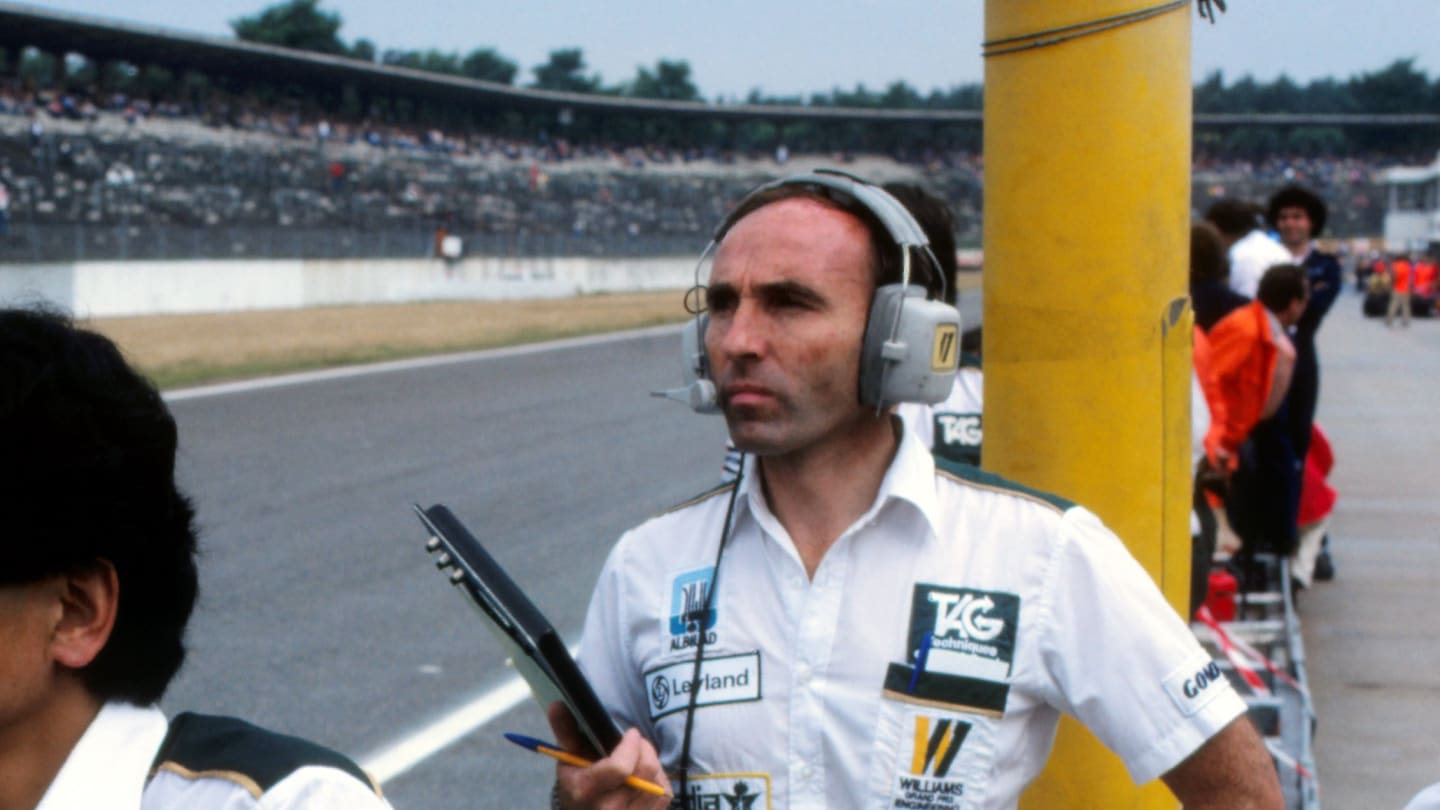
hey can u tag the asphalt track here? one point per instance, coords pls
(321, 616)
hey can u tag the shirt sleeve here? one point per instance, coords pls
(321, 788)
(605, 655)
(1121, 660)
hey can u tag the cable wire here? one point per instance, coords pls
(1055, 36)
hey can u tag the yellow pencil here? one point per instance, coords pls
(568, 758)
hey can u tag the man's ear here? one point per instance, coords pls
(89, 600)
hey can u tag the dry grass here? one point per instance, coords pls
(178, 350)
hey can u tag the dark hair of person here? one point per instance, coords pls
(1293, 196)
(88, 475)
(1208, 259)
(935, 219)
(1280, 285)
(1233, 217)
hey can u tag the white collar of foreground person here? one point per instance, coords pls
(109, 766)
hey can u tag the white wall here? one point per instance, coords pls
(112, 289)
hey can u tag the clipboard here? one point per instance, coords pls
(534, 646)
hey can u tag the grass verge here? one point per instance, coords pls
(183, 350)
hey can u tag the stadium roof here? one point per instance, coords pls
(101, 39)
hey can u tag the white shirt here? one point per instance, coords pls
(1250, 257)
(110, 766)
(1033, 610)
(952, 429)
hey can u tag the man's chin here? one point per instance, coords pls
(754, 439)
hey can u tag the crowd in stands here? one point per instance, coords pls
(106, 160)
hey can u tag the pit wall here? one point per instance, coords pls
(119, 289)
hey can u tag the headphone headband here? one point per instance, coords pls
(893, 216)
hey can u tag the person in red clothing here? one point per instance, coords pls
(1399, 292)
(1317, 501)
(1423, 285)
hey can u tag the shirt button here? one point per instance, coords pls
(802, 675)
(802, 772)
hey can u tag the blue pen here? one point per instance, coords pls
(920, 658)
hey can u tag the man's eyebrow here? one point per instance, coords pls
(791, 289)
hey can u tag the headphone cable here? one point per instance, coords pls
(680, 797)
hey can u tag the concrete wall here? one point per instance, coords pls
(114, 289)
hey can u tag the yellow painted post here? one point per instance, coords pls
(1087, 344)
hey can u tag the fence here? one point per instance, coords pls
(32, 243)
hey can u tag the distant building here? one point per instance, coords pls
(1412, 206)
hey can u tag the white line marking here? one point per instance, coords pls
(342, 372)
(414, 748)
(399, 756)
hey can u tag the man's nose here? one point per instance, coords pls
(743, 333)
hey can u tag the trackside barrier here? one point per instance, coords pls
(1263, 656)
(120, 289)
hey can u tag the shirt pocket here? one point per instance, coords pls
(931, 757)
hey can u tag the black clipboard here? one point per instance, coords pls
(535, 648)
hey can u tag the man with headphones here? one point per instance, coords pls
(853, 623)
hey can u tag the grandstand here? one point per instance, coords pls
(240, 172)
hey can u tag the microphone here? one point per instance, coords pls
(699, 395)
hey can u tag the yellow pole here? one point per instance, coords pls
(1087, 345)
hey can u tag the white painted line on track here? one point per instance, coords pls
(428, 361)
(411, 750)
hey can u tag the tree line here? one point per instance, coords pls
(302, 24)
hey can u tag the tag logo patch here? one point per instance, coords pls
(688, 616)
(728, 791)
(971, 632)
(723, 679)
(958, 436)
(1195, 683)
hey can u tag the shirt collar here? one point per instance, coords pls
(110, 764)
(910, 478)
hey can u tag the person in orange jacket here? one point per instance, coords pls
(1251, 360)
(1400, 272)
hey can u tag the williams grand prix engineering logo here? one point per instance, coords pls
(688, 616)
(935, 748)
(930, 783)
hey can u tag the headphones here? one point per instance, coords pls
(911, 347)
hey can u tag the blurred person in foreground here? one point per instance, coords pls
(884, 629)
(97, 583)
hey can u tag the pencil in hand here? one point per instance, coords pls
(554, 752)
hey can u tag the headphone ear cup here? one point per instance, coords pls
(884, 310)
(911, 348)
